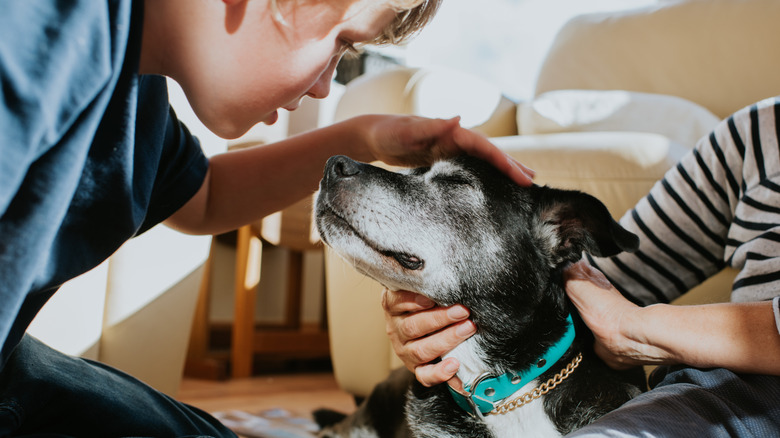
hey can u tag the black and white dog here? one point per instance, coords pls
(462, 232)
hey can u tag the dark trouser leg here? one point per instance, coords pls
(689, 402)
(45, 392)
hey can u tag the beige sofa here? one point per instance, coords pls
(619, 98)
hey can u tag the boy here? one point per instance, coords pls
(91, 155)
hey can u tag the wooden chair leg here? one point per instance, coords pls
(248, 254)
(199, 364)
(294, 289)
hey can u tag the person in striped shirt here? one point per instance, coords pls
(719, 207)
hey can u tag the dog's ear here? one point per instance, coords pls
(580, 223)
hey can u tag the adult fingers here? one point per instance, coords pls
(433, 374)
(594, 296)
(423, 350)
(410, 326)
(583, 270)
(421, 332)
(397, 302)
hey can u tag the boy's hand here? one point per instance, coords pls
(418, 141)
(421, 332)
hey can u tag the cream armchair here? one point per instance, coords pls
(620, 97)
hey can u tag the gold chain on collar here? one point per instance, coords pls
(539, 391)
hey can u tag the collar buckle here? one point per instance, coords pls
(464, 396)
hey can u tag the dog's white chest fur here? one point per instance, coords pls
(529, 420)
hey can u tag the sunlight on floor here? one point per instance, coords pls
(299, 393)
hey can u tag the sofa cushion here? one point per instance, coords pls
(619, 168)
(587, 110)
(720, 54)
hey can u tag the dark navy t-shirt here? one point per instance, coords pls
(91, 154)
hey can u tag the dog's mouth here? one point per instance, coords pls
(408, 261)
(330, 216)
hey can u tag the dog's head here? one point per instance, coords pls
(459, 228)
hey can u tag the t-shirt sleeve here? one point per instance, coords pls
(182, 170)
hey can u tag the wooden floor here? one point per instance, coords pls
(300, 393)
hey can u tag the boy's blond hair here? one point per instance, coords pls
(412, 16)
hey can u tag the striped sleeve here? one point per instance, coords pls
(720, 206)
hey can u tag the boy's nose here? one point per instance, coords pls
(321, 88)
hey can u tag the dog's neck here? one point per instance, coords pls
(480, 390)
(513, 330)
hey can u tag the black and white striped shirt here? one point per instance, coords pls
(720, 206)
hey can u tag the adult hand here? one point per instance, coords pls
(418, 141)
(611, 318)
(421, 332)
(739, 336)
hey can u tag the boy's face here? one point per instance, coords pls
(239, 69)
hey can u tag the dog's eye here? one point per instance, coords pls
(409, 262)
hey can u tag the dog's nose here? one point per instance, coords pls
(342, 167)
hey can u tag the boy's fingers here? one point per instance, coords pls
(423, 132)
(520, 174)
(479, 146)
(527, 172)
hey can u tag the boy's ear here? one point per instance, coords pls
(580, 223)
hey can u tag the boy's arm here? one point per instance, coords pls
(246, 185)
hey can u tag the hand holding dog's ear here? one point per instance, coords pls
(420, 333)
(608, 315)
(418, 141)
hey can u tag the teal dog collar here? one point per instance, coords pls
(486, 391)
